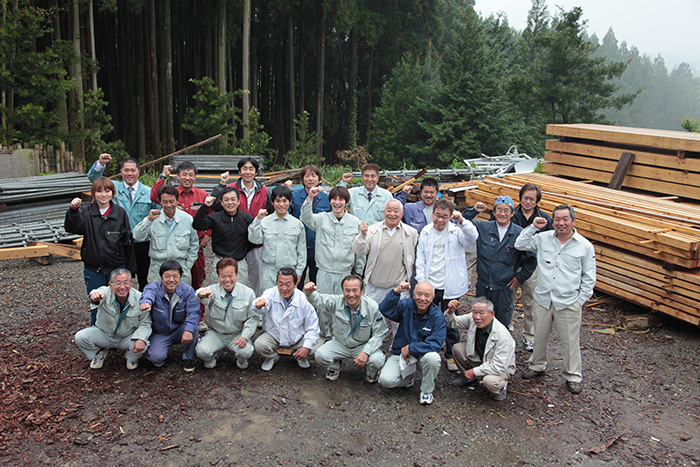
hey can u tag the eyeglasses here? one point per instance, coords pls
(171, 276)
(502, 211)
(121, 283)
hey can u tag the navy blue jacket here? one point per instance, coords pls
(421, 334)
(320, 204)
(167, 318)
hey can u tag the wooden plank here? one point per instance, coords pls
(667, 139)
(623, 166)
(24, 252)
(69, 251)
(594, 149)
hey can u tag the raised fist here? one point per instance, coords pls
(209, 201)
(260, 303)
(153, 214)
(166, 170)
(309, 288)
(347, 177)
(204, 293)
(402, 287)
(105, 159)
(145, 306)
(261, 214)
(363, 228)
(313, 192)
(224, 178)
(289, 184)
(452, 306)
(457, 216)
(539, 222)
(96, 296)
(480, 207)
(75, 203)
(407, 189)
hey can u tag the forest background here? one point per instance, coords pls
(414, 83)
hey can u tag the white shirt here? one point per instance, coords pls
(439, 265)
(288, 324)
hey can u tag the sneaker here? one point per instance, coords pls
(451, 365)
(460, 381)
(188, 365)
(574, 387)
(531, 374)
(371, 379)
(529, 345)
(210, 364)
(241, 363)
(304, 363)
(99, 359)
(269, 363)
(333, 373)
(202, 327)
(426, 399)
(501, 395)
(158, 365)
(132, 365)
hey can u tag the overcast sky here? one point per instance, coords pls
(667, 27)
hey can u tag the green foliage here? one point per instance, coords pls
(259, 142)
(212, 112)
(332, 174)
(304, 151)
(688, 124)
(149, 176)
(355, 157)
(98, 124)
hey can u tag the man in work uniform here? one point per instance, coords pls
(367, 201)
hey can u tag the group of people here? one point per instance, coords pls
(374, 262)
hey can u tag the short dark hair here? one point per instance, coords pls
(288, 272)
(564, 207)
(186, 165)
(281, 191)
(252, 160)
(168, 190)
(442, 203)
(352, 277)
(224, 262)
(229, 189)
(339, 192)
(130, 160)
(369, 166)
(429, 181)
(170, 265)
(531, 186)
(309, 168)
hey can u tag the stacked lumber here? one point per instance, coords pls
(648, 249)
(665, 161)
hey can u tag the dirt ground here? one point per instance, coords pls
(640, 403)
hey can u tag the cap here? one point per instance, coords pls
(504, 200)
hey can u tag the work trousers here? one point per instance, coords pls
(213, 343)
(452, 335)
(429, 363)
(494, 383)
(143, 262)
(160, 343)
(267, 346)
(330, 354)
(378, 294)
(528, 298)
(93, 339)
(568, 323)
(250, 269)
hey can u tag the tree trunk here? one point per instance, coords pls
(321, 82)
(368, 127)
(139, 58)
(246, 68)
(290, 79)
(153, 82)
(352, 93)
(221, 65)
(168, 64)
(91, 32)
(77, 122)
(61, 104)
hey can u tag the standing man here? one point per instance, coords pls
(489, 351)
(310, 177)
(191, 199)
(252, 196)
(367, 201)
(175, 314)
(120, 324)
(390, 247)
(418, 341)
(567, 275)
(230, 317)
(420, 214)
(500, 267)
(229, 228)
(282, 236)
(133, 196)
(290, 321)
(171, 233)
(441, 260)
(358, 329)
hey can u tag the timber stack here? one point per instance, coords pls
(647, 248)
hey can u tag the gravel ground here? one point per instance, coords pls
(640, 404)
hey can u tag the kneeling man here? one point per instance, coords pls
(290, 321)
(358, 329)
(120, 323)
(175, 314)
(229, 315)
(489, 351)
(420, 337)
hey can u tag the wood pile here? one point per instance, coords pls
(648, 249)
(666, 162)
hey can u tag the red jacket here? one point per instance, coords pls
(259, 197)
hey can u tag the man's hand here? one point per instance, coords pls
(539, 222)
(363, 228)
(309, 288)
(145, 306)
(313, 192)
(262, 214)
(361, 359)
(166, 170)
(209, 200)
(224, 178)
(347, 177)
(105, 159)
(469, 374)
(452, 306)
(402, 287)
(301, 353)
(480, 207)
(457, 217)
(187, 337)
(75, 203)
(289, 184)
(204, 241)
(405, 353)
(408, 189)
(241, 342)
(260, 303)
(96, 296)
(513, 284)
(139, 346)
(205, 293)
(153, 214)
